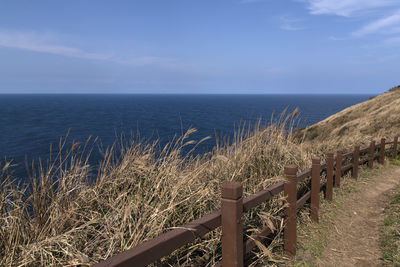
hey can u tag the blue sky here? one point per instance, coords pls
(199, 46)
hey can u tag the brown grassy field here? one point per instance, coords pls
(376, 118)
(60, 218)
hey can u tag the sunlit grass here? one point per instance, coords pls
(142, 190)
(60, 218)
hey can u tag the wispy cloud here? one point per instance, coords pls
(378, 14)
(290, 24)
(42, 43)
(251, 1)
(50, 44)
(334, 38)
(276, 70)
(389, 24)
(347, 8)
(163, 62)
(392, 41)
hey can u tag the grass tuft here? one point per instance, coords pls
(390, 234)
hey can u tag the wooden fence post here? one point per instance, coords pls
(329, 176)
(338, 173)
(315, 187)
(382, 152)
(356, 159)
(395, 147)
(231, 222)
(371, 155)
(290, 190)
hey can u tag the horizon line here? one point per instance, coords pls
(64, 93)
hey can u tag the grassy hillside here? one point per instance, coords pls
(376, 118)
(60, 219)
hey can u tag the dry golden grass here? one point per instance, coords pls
(59, 218)
(62, 219)
(371, 120)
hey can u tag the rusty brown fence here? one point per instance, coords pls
(324, 176)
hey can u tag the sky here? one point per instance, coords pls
(200, 46)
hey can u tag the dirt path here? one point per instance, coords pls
(355, 234)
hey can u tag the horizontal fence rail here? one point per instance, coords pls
(234, 249)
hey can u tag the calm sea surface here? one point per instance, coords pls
(30, 123)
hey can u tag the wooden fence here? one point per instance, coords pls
(229, 217)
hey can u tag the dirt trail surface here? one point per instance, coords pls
(355, 235)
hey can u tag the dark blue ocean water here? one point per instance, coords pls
(29, 123)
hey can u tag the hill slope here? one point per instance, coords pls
(376, 118)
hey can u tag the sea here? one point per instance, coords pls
(29, 124)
